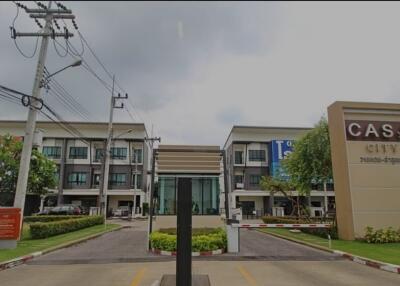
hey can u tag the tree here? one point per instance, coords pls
(310, 160)
(41, 174)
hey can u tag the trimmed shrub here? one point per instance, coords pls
(200, 242)
(321, 232)
(47, 229)
(49, 218)
(381, 235)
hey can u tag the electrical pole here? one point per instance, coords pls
(35, 104)
(106, 152)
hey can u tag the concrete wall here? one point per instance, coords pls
(166, 221)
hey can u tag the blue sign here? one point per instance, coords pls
(279, 150)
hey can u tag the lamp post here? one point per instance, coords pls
(74, 64)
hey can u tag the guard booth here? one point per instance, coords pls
(188, 180)
(203, 165)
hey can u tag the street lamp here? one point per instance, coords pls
(123, 133)
(77, 63)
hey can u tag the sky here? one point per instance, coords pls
(192, 70)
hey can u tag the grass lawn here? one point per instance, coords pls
(386, 252)
(27, 245)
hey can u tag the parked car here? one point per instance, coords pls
(66, 210)
(122, 211)
(45, 211)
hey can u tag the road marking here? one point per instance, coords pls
(249, 278)
(138, 277)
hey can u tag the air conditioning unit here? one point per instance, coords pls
(239, 185)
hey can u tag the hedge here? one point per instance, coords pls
(200, 242)
(322, 232)
(47, 229)
(386, 235)
(49, 218)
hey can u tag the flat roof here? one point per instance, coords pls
(266, 128)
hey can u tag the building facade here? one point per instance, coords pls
(79, 160)
(253, 152)
(204, 166)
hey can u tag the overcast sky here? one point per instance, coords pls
(194, 69)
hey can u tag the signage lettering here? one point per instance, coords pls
(364, 130)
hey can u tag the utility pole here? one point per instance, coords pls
(106, 151)
(35, 103)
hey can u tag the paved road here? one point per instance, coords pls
(255, 244)
(126, 245)
(221, 273)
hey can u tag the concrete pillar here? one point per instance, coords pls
(161, 194)
(232, 234)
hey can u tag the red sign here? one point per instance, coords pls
(10, 219)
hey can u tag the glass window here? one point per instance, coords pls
(118, 153)
(257, 155)
(197, 197)
(98, 155)
(52, 152)
(239, 179)
(96, 180)
(78, 152)
(238, 157)
(137, 156)
(77, 178)
(205, 196)
(167, 196)
(255, 180)
(118, 179)
(139, 180)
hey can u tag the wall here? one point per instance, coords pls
(166, 221)
(367, 193)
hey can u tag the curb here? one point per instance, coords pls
(201, 253)
(358, 259)
(23, 259)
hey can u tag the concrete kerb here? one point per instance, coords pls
(358, 259)
(23, 259)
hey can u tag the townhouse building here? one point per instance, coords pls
(253, 152)
(79, 160)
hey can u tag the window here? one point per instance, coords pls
(77, 178)
(78, 152)
(118, 179)
(137, 156)
(257, 155)
(98, 155)
(238, 157)
(139, 180)
(238, 179)
(205, 196)
(255, 180)
(96, 180)
(118, 153)
(52, 152)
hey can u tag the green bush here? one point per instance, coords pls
(47, 229)
(49, 218)
(213, 240)
(321, 232)
(382, 235)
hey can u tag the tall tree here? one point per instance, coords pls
(42, 170)
(310, 160)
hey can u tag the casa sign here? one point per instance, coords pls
(365, 149)
(363, 130)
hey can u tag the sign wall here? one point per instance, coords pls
(365, 148)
